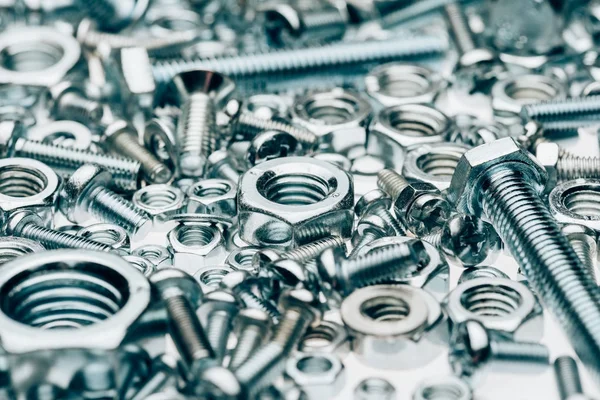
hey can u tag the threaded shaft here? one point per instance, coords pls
(218, 327)
(364, 240)
(459, 27)
(251, 300)
(391, 182)
(250, 125)
(187, 333)
(585, 253)
(435, 238)
(197, 134)
(308, 251)
(561, 109)
(126, 144)
(225, 170)
(572, 167)
(327, 19)
(296, 60)
(390, 220)
(52, 239)
(519, 352)
(110, 207)
(69, 159)
(249, 340)
(78, 108)
(411, 11)
(290, 330)
(567, 377)
(544, 254)
(562, 129)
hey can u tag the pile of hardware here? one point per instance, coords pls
(220, 199)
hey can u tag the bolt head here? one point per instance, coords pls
(221, 300)
(55, 93)
(548, 154)
(217, 86)
(328, 265)
(253, 316)
(469, 348)
(290, 273)
(175, 282)
(303, 299)
(235, 279)
(116, 127)
(476, 57)
(10, 131)
(75, 193)
(219, 383)
(263, 258)
(280, 18)
(475, 165)
(374, 199)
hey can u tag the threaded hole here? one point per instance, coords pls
(64, 297)
(417, 122)
(385, 309)
(295, 189)
(318, 337)
(400, 81)
(158, 197)
(20, 181)
(445, 391)
(491, 300)
(584, 201)
(375, 388)
(332, 111)
(109, 236)
(438, 164)
(213, 277)
(211, 189)
(195, 235)
(314, 365)
(141, 264)
(11, 250)
(529, 92)
(31, 56)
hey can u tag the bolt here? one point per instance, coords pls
(134, 365)
(378, 202)
(85, 193)
(420, 206)
(241, 283)
(564, 166)
(13, 144)
(584, 242)
(222, 307)
(293, 61)
(180, 294)
(472, 348)
(562, 109)
(122, 138)
(218, 165)
(369, 229)
(390, 262)
(162, 374)
(568, 380)
(503, 182)
(301, 254)
(251, 328)
(198, 92)
(68, 101)
(300, 310)
(412, 11)
(29, 225)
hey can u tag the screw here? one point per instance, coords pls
(562, 109)
(377, 266)
(293, 61)
(218, 165)
(29, 225)
(162, 374)
(503, 182)
(180, 293)
(568, 380)
(583, 240)
(472, 348)
(13, 144)
(67, 101)
(564, 166)
(369, 229)
(240, 283)
(222, 308)
(301, 310)
(412, 11)
(301, 254)
(252, 326)
(378, 202)
(85, 193)
(198, 91)
(249, 125)
(122, 138)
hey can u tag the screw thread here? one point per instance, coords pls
(566, 128)
(249, 340)
(391, 182)
(585, 253)
(364, 240)
(218, 327)
(197, 133)
(52, 239)
(126, 144)
(390, 220)
(561, 109)
(308, 251)
(296, 60)
(251, 125)
(110, 207)
(251, 300)
(69, 159)
(187, 332)
(291, 328)
(328, 19)
(434, 239)
(573, 167)
(78, 108)
(261, 368)
(459, 27)
(521, 218)
(225, 170)
(567, 377)
(520, 352)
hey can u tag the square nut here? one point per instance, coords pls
(294, 200)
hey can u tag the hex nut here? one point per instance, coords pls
(210, 276)
(159, 200)
(501, 305)
(110, 234)
(212, 196)
(243, 259)
(432, 388)
(12, 247)
(327, 337)
(395, 326)
(567, 200)
(157, 255)
(374, 389)
(194, 246)
(294, 200)
(320, 375)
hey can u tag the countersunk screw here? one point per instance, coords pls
(85, 193)
(472, 348)
(378, 202)
(241, 284)
(180, 294)
(377, 266)
(562, 109)
(251, 327)
(300, 310)
(568, 380)
(198, 92)
(584, 242)
(222, 307)
(29, 225)
(369, 229)
(68, 101)
(122, 138)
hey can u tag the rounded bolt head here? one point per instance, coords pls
(175, 282)
(374, 199)
(289, 272)
(221, 300)
(470, 347)
(234, 280)
(219, 383)
(303, 299)
(253, 316)
(264, 257)
(328, 265)
(75, 193)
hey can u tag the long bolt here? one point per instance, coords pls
(567, 165)
(511, 201)
(459, 27)
(297, 60)
(250, 125)
(567, 377)
(252, 326)
(562, 109)
(583, 240)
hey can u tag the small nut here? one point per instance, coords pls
(157, 255)
(212, 196)
(374, 389)
(328, 337)
(193, 246)
(110, 234)
(242, 259)
(574, 202)
(159, 200)
(210, 276)
(320, 375)
(440, 386)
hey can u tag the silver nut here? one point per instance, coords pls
(327, 337)
(159, 200)
(441, 386)
(193, 246)
(569, 201)
(500, 304)
(294, 200)
(242, 259)
(157, 255)
(210, 277)
(320, 375)
(110, 234)
(212, 196)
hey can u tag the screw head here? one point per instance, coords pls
(75, 193)
(215, 85)
(235, 280)
(328, 265)
(174, 282)
(289, 272)
(219, 383)
(469, 347)
(372, 223)
(252, 317)
(372, 200)
(220, 300)
(18, 219)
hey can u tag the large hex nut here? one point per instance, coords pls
(213, 196)
(501, 305)
(294, 200)
(320, 375)
(395, 326)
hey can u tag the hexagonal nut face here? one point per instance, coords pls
(194, 246)
(395, 326)
(27, 183)
(320, 375)
(157, 255)
(213, 196)
(294, 200)
(501, 305)
(475, 165)
(159, 199)
(242, 259)
(210, 277)
(327, 337)
(567, 198)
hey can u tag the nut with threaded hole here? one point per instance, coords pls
(85, 194)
